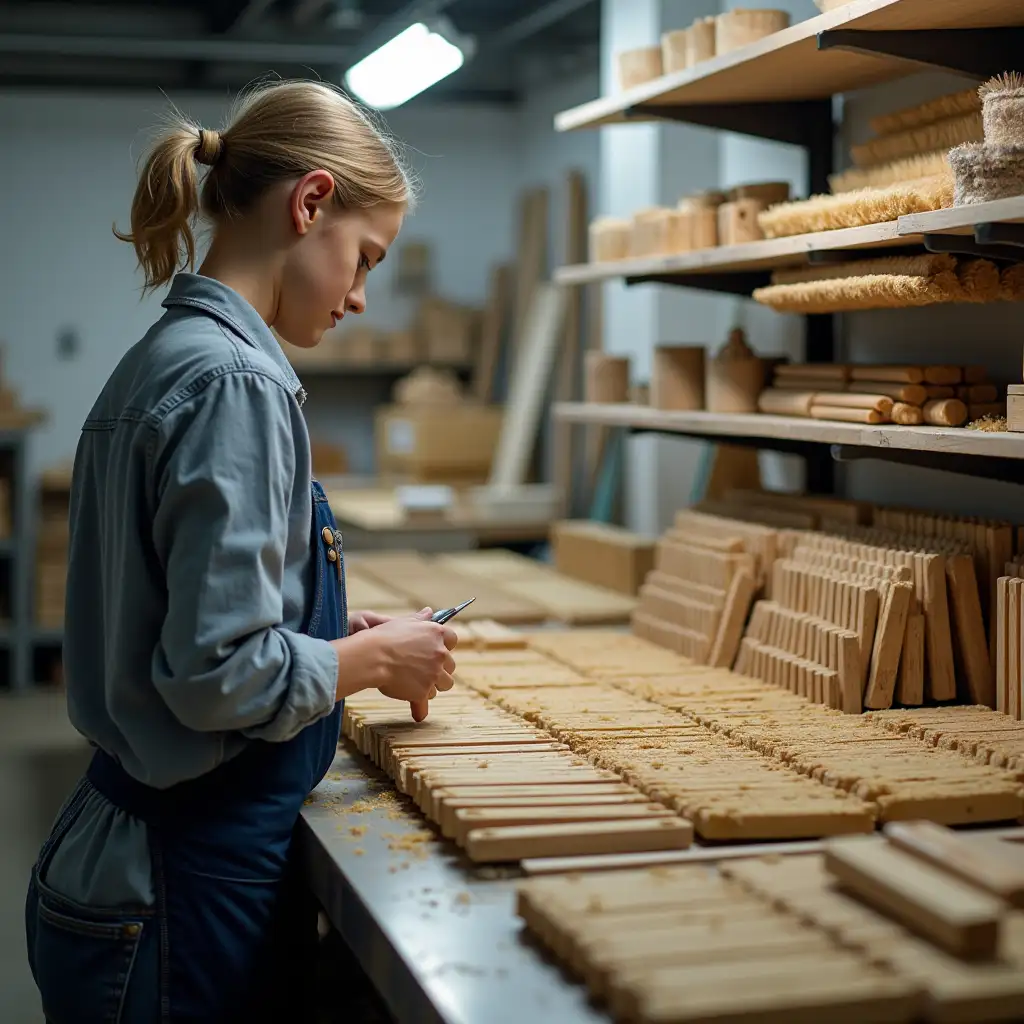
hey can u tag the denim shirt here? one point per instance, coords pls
(190, 568)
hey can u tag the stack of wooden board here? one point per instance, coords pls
(934, 907)
(503, 789)
(605, 555)
(897, 776)
(1008, 623)
(979, 733)
(508, 588)
(687, 944)
(706, 572)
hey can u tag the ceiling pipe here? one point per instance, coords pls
(225, 49)
(544, 17)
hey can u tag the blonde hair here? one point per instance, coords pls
(277, 131)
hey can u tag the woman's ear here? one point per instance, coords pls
(308, 196)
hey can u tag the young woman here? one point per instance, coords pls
(208, 644)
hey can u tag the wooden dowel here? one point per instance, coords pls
(823, 371)
(809, 384)
(914, 394)
(834, 412)
(895, 374)
(943, 375)
(860, 400)
(786, 403)
(935, 392)
(947, 412)
(907, 415)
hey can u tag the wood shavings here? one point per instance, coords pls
(989, 424)
(358, 852)
(357, 830)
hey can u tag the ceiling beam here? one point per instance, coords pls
(535, 22)
(232, 15)
(306, 10)
(218, 48)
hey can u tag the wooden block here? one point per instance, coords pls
(606, 378)
(939, 640)
(849, 673)
(984, 862)
(945, 412)
(737, 222)
(471, 818)
(1015, 640)
(885, 656)
(493, 636)
(950, 913)
(910, 687)
(971, 636)
(638, 66)
(587, 838)
(1015, 413)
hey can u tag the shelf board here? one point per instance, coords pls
(962, 220)
(939, 446)
(749, 258)
(788, 66)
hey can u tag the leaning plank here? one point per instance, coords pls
(949, 913)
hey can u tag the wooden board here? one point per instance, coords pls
(957, 917)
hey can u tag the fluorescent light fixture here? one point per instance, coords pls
(402, 68)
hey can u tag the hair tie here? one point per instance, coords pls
(210, 147)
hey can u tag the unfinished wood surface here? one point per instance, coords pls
(973, 643)
(789, 66)
(956, 917)
(987, 864)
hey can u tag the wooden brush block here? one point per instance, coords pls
(740, 27)
(582, 839)
(677, 381)
(653, 233)
(493, 636)
(697, 224)
(955, 916)
(638, 66)
(674, 46)
(1015, 413)
(606, 378)
(768, 192)
(700, 44)
(610, 239)
(737, 222)
(985, 863)
(469, 819)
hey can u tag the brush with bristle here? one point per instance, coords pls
(927, 113)
(913, 168)
(1002, 100)
(914, 141)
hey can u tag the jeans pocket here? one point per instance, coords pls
(83, 962)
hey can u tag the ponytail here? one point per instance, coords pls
(278, 131)
(167, 201)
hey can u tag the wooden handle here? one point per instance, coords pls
(946, 412)
(914, 394)
(859, 400)
(835, 412)
(937, 391)
(907, 415)
(786, 403)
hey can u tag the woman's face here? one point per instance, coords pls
(324, 273)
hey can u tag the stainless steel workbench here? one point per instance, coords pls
(438, 937)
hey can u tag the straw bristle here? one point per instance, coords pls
(1008, 81)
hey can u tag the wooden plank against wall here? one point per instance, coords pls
(492, 334)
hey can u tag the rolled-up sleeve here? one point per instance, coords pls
(225, 466)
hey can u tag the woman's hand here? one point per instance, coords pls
(407, 659)
(358, 621)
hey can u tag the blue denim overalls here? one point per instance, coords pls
(232, 932)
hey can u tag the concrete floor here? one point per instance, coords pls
(41, 758)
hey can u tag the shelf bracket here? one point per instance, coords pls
(964, 245)
(1000, 234)
(829, 257)
(729, 284)
(800, 123)
(978, 52)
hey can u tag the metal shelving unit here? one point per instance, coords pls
(781, 89)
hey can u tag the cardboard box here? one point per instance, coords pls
(448, 331)
(432, 443)
(607, 556)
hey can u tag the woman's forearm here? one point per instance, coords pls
(360, 664)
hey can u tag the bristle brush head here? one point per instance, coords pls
(1008, 81)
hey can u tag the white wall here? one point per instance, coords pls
(68, 173)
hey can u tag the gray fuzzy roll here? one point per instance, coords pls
(983, 172)
(1003, 114)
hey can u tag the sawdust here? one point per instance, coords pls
(357, 830)
(463, 899)
(989, 425)
(358, 851)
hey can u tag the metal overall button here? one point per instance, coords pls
(328, 535)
